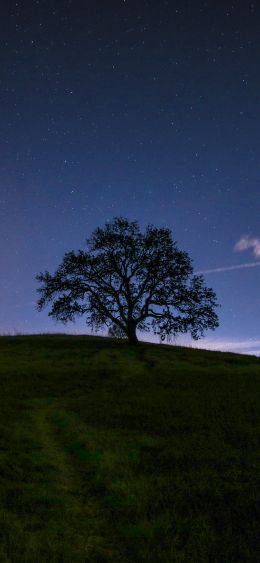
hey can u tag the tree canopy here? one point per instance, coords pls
(133, 280)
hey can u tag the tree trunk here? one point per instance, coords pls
(131, 333)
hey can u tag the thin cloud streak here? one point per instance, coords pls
(228, 268)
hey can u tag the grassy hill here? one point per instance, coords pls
(111, 453)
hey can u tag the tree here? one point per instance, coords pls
(115, 331)
(133, 280)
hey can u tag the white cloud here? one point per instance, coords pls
(246, 242)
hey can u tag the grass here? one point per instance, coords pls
(111, 453)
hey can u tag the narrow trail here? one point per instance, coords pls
(74, 525)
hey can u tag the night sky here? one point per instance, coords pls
(149, 110)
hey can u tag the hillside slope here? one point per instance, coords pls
(127, 454)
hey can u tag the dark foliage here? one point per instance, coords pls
(133, 281)
(115, 331)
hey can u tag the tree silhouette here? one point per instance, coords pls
(115, 331)
(131, 280)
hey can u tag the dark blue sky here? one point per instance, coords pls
(144, 109)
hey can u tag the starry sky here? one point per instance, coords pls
(144, 109)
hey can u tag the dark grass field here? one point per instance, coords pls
(110, 453)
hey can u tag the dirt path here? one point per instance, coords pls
(62, 520)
